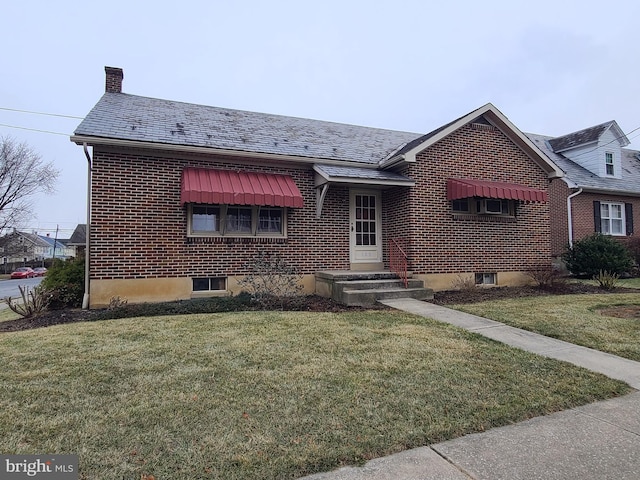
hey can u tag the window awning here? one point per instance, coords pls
(465, 188)
(228, 187)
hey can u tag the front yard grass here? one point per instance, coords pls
(269, 395)
(580, 319)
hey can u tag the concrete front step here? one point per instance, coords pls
(367, 298)
(366, 288)
(378, 283)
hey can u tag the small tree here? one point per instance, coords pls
(596, 253)
(22, 174)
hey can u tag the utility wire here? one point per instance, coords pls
(34, 130)
(41, 113)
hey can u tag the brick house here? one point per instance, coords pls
(600, 189)
(183, 196)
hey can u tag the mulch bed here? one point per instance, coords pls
(314, 303)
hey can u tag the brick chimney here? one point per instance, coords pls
(114, 80)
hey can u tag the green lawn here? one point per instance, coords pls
(574, 318)
(623, 282)
(266, 395)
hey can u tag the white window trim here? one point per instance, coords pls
(223, 215)
(612, 163)
(623, 219)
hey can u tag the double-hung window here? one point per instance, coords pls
(236, 221)
(612, 218)
(608, 164)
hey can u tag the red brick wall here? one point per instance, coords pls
(444, 243)
(558, 193)
(582, 211)
(139, 228)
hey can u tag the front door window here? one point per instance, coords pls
(365, 221)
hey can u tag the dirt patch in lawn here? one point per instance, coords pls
(624, 311)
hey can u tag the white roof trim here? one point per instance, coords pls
(498, 120)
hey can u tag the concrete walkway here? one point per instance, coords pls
(596, 441)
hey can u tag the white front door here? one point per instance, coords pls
(366, 232)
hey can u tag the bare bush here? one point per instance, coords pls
(270, 279)
(34, 301)
(546, 276)
(464, 283)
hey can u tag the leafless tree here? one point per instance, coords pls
(23, 173)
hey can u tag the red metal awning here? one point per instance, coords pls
(466, 188)
(227, 187)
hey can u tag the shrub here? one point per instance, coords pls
(546, 277)
(464, 283)
(633, 244)
(271, 279)
(34, 301)
(597, 252)
(65, 282)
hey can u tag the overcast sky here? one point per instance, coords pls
(552, 67)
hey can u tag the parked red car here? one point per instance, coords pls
(40, 271)
(23, 272)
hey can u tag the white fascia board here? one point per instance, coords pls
(619, 134)
(501, 122)
(114, 142)
(526, 145)
(371, 181)
(410, 156)
(609, 191)
(569, 182)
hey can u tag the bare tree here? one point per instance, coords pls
(22, 174)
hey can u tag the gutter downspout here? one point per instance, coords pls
(87, 253)
(569, 218)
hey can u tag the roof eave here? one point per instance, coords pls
(608, 191)
(116, 142)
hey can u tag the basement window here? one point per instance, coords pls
(485, 278)
(209, 284)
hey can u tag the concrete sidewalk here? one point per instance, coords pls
(596, 441)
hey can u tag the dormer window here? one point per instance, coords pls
(608, 164)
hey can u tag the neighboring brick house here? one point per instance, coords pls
(600, 191)
(184, 196)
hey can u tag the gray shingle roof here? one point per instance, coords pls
(130, 117)
(581, 137)
(583, 178)
(333, 172)
(79, 235)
